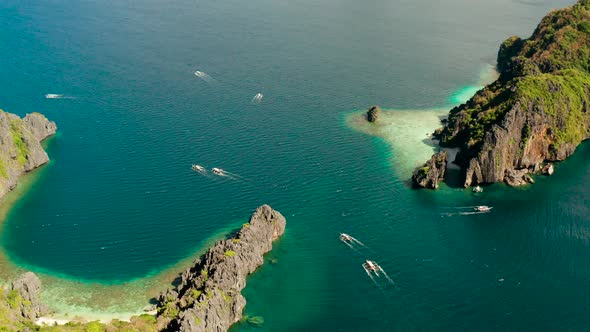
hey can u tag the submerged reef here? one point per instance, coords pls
(537, 111)
(20, 146)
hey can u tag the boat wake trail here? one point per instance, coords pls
(226, 174)
(466, 210)
(235, 176)
(58, 96)
(352, 242)
(199, 169)
(215, 171)
(374, 281)
(375, 272)
(386, 276)
(461, 207)
(204, 76)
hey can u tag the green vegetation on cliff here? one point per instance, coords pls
(547, 74)
(16, 131)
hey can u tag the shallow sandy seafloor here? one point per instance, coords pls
(86, 301)
(408, 132)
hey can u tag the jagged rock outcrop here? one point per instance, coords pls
(537, 111)
(373, 113)
(39, 125)
(208, 297)
(518, 177)
(431, 172)
(20, 304)
(28, 287)
(20, 146)
(548, 169)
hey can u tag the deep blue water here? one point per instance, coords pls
(120, 202)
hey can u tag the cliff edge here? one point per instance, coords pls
(538, 110)
(20, 146)
(208, 297)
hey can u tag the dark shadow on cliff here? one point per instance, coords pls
(454, 178)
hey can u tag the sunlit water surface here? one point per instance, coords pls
(119, 212)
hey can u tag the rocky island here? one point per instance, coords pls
(535, 113)
(373, 113)
(20, 146)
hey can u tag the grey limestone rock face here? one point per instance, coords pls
(537, 111)
(20, 146)
(431, 172)
(28, 287)
(208, 297)
(523, 140)
(518, 177)
(40, 127)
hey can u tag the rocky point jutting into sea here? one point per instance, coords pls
(20, 146)
(208, 298)
(537, 112)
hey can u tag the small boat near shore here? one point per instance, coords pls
(477, 189)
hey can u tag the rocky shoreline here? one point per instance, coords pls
(20, 146)
(208, 297)
(536, 113)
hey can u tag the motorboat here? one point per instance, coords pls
(345, 237)
(198, 168)
(258, 97)
(371, 266)
(482, 208)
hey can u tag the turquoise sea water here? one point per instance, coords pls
(119, 201)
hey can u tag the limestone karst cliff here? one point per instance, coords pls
(20, 146)
(538, 110)
(208, 297)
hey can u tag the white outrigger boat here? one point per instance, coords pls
(217, 171)
(345, 237)
(257, 98)
(371, 267)
(482, 208)
(198, 168)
